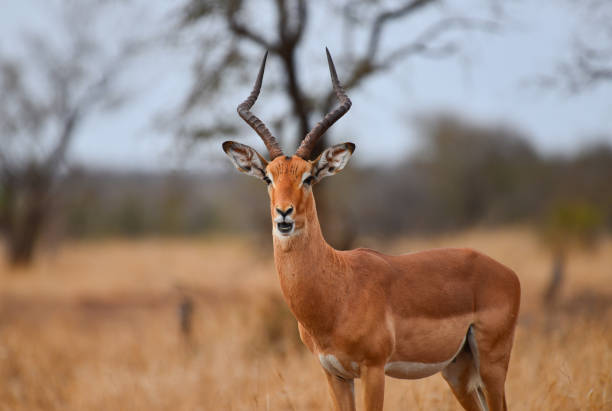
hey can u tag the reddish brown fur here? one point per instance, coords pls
(366, 307)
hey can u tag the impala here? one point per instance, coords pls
(365, 314)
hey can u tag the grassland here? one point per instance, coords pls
(96, 326)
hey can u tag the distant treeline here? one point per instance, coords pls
(465, 175)
(462, 175)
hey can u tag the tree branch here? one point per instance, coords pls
(589, 68)
(593, 73)
(74, 115)
(291, 35)
(59, 152)
(211, 78)
(283, 21)
(240, 30)
(301, 23)
(385, 17)
(364, 66)
(300, 108)
(421, 43)
(285, 48)
(367, 66)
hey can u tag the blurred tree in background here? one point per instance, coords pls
(578, 207)
(589, 64)
(46, 94)
(230, 24)
(476, 173)
(568, 224)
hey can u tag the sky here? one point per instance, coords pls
(491, 80)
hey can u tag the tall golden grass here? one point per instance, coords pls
(96, 327)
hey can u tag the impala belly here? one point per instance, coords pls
(396, 369)
(415, 370)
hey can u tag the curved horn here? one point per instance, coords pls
(252, 120)
(330, 118)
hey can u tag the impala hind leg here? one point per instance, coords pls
(494, 378)
(342, 392)
(494, 360)
(464, 380)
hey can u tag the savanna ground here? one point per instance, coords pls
(96, 326)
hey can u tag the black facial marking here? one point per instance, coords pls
(287, 157)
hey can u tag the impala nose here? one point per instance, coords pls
(284, 213)
(284, 223)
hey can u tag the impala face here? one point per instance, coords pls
(290, 181)
(290, 178)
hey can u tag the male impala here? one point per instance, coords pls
(365, 314)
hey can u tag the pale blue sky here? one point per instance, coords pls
(485, 82)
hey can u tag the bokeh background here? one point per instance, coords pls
(137, 263)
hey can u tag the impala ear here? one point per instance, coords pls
(246, 159)
(332, 160)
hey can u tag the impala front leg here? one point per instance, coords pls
(342, 392)
(373, 387)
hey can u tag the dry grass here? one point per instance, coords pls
(96, 327)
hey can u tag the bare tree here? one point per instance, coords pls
(230, 25)
(224, 49)
(46, 94)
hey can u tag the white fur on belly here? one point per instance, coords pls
(414, 370)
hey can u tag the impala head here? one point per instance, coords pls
(290, 178)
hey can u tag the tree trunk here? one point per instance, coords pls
(557, 277)
(23, 214)
(22, 241)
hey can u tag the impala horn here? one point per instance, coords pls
(252, 120)
(315, 134)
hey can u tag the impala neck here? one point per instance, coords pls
(308, 268)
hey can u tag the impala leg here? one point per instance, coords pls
(373, 378)
(494, 359)
(342, 392)
(464, 381)
(494, 378)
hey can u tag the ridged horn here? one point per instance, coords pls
(253, 121)
(315, 134)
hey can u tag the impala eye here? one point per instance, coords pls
(308, 180)
(267, 180)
